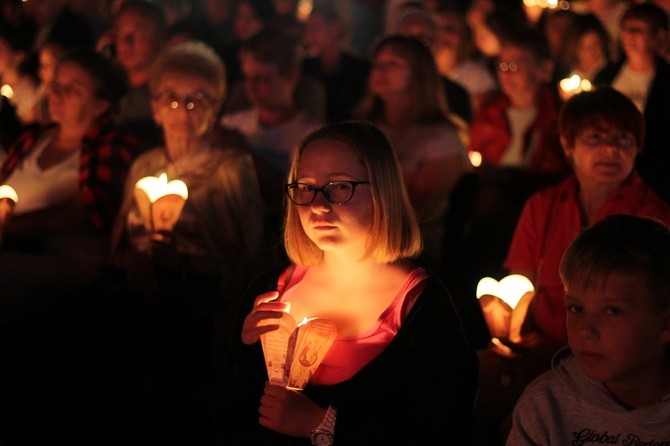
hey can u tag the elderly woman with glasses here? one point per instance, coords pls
(217, 236)
(601, 134)
(400, 370)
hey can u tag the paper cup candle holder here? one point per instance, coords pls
(505, 304)
(294, 351)
(8, 199)
(160, 202)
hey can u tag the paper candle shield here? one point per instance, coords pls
(505, 304)
(293, 352)
(8, 199)
(160, 202)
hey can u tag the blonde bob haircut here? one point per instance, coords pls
(395, 233)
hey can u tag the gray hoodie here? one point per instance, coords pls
(563, 407)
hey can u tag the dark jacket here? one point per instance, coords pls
(419, 390)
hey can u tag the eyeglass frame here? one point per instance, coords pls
(322, 189)
(72, 89)
(622, 140)
(509, 66)
(189, 102)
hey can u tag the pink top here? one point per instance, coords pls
(349, 354)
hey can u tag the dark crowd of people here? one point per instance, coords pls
(362, 161)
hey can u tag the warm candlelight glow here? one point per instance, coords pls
(510, 289)
(475, 158)
(159, 187)
(7, 91)
(547, 4)
(8, 192)
(574, 84)
(304, 9)
(160, 201)
(8, 199)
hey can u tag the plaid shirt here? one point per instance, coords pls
(103, 164)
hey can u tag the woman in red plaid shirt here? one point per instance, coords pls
(69, 178)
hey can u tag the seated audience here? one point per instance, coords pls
(454, 55)
(405, 99)
(422, 25)
(556, 25)
(601, 136)
(490, 22)
(609, 12)
(254, 16)
(350, 233)
(210, 252)
(138, 32)
(69, 179)
(584, 51)
(601, 133)
(343, 75)
(274, 123)
(644, 77)
(49, 55)
(517, 127)
(250, 17)
(15, 52)
(612, 384)
(585, 48)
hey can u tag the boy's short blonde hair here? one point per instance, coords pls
(395, 233)
(621, 244)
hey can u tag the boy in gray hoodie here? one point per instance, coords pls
(612, 384)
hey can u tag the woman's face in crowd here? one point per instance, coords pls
(637, 38)
(72, 97)
(183, 106)
(589, 52)
(605, 156)
(335, 226)
(390, 73)
(518, 71)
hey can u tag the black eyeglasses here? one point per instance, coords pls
(337, 192)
